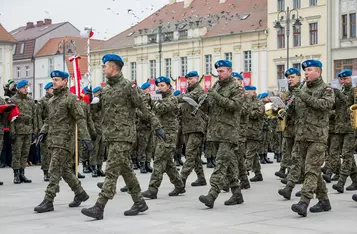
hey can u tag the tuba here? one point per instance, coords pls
(282, 122)
(353, 110)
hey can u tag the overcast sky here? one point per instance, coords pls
(107, 17)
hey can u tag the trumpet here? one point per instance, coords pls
(203, 99)
(284, 111)
(282, 122)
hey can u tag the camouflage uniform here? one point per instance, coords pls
(97, 155)
(332, 164)
(3, 121)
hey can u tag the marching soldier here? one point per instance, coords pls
(268, 128)
(64, 111)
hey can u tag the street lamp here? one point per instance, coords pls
(62, 46)
(289, 18)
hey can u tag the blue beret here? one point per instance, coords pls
(192, 74)
(263, 95)
(237, 75)
(223, 63)
(177, 92)
(22, 83)
(85, 89)
(49, 85)
(145, 85)
(311, 63)
(97, 89)
(162, 79)
(292, 71)
(112, 57)
(157, 91)
(345, 73)
(61, 74)
(253, 88)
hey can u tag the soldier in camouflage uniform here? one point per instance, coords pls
(313, 103)
(42, 113)
(343, 141)
(118, 102)
(225, 102)
(21, 131)
(267, 131)
(64, 111)
(166, 110)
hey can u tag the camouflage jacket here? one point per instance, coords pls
(64, 111)
(225, 105)
(256, 119)
(26, 123)
(191, 123)
(42, 110)
(88, 118)
(290, 116)
(144, 121)
(342, 112)
(118, 102)
(331, 122)
(3, 117)
(313, 107)
(97, 120)
(244, 120)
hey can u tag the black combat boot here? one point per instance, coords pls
(184, 182)
(148, 167)
(335, 177)
(244, 182)
(262, 161)
(300, 208)
(281, 173)
(339, 187)
(298, 194)
(352, 187)
(23, 177)
(46, 177)
(266, 159)
(100, 172)
(44, 206)
(177, 191)
(284, 181)
(135, 164)
(95, 212)
(327, 176)
(213, 160)
(323, 170)
(225, 188)
(149, 194)
(100, 185)
(279, 157)
(207, 200)
(354, 197)
(209, 163)
(286, 192)
(201, 181)
(80, 176)
(85, 167)
(143, 168)
(94, 171)
(257, 177)
(138, 207)
(78, 199)
(124, 189)
(321, 206)
(236, 198)
(179, 159)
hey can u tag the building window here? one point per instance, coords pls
(183, 34)
(228, 56)
(296, 4)
(133, 70)
(168, 67)
(208, 64)
(18, 72)
(313, 2)
(281, 5)
(280, 71)
(183, 66)
(152, 38)
(344, 64)
(27, 71)
(153, 69)
(313, 34)
(50, 65)
(169, 36)
(13, 49)
(344, 26)
(281, 38)
(22, 48)
(247, 61)
(40, 88)
(297, 36)
(297, 65)
(353, 25)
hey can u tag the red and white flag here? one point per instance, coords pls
(76, 88)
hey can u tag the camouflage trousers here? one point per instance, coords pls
(179, 142)
(264, 144)
(252, 154)
(288, 143)
(163, 163)
(226, 168)
(334, 150)
(61, 165)
(297, 167)
(211, 150)
(118, 163)
(83, 154)
(342, 144)
(97, 154)
(145, 145)
(193, 161)
(45, 155)
(240, 155)
(312, 156)
(20, 151)
(275, 142)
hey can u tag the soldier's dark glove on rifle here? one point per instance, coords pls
(88, 146)
(41, 138)
(161, 134)
(93, 137)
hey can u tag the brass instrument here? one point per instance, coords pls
(353, 109)
(282, 122)
(283, 113)
(203, 99)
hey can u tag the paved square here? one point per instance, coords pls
(263, 211)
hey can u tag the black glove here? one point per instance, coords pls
(12, 139)
(93, 137)
(10, 107)
(41, 138)
(88, 146)
(161, 134)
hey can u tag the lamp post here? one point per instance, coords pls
(62, 46)
(289, 18)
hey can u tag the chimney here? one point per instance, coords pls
(187, 3)
(39, 23)
(29, 25)
(172, 1)
(48, 21)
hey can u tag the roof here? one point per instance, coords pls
(5, 36)
(83, 65)
(22, 34)
(29, 47)
(219, 19)
(51, 47)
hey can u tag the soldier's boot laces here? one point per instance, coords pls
(286, 192)
(298, 194)
(354, 197)
(201, 181)
(300, 208)
(244, 182)
(17, 176)
(100, 185)
(257, 177)
(78, 199)
(148, 167)
(209, 163)
(95, 211)
(44, 206)
(335, 177)
(100, 172)
(149, 194)
(352, 187)
(207, 200)
(235, 199)
(138, 207)
(284, 181)
(327, 176)
(177, 191)
(281, 173)
(124, 189)
(339, 187)
(143, 168)
(94, 171)
(46, 177)
(321, 206)
(23, 178)
(266, 159)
